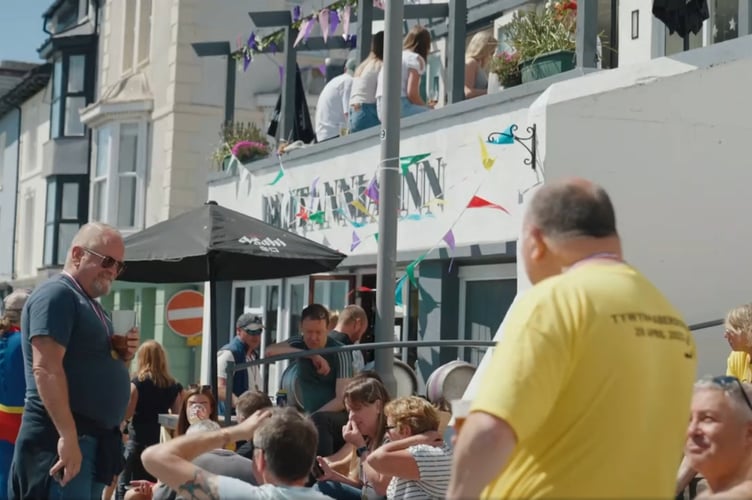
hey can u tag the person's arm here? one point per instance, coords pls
(684, 476)
(222, 360)
(413, 88)
(170, 462)
(341, 456)
(131, 408)
(516, 394)
(394, 458)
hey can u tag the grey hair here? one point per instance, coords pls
(203, 426)
(732, 391)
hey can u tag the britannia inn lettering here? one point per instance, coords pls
(421, 193)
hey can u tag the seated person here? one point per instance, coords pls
(217, 461)
(417, 458)
(719, 437)
(249, 403)
(322, 379)
(284, 451)
(345, 476)
(198, 404)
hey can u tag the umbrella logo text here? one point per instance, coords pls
(267, 244)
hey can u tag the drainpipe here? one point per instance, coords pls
(15, 207)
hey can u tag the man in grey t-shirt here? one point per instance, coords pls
(284, 451)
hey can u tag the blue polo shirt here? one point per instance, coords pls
(98, 384)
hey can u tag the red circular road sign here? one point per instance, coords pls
(185, 313)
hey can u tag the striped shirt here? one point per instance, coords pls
(434, 466)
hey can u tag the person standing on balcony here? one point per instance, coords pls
(244, 347)
(78, 386)
(363, 114)
(12, 383)
(587, 394)
(480, 50)
(333, 104)
(738, 333)
(415, 49)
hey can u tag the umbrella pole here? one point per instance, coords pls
(389, 183)
(214, 340)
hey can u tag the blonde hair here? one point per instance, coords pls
(413, 412)
(481, 47)
(739, 320)
(152, 364)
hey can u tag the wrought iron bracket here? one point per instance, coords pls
(530, 142)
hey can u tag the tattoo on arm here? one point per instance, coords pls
(203, 486)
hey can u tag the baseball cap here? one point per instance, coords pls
(250, 322)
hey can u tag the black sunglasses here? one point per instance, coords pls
(253, 332)
(107, 261)
(728, 382)
(200, 388)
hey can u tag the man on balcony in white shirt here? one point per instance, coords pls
(333, 104)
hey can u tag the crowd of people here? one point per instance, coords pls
(586, 395)
(351, 102)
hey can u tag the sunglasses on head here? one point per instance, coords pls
(200, 388)
(106, 261)
(733, 383)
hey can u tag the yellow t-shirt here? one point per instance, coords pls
(738, 365)
(594, 373)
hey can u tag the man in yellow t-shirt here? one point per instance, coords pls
(587, 394)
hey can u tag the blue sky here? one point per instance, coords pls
(21, 29)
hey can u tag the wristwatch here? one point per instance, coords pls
(361, 450)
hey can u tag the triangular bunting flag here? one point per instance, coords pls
(478, 202)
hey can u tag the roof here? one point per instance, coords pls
(34, 81)
(11, 72)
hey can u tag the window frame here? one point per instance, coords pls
(59, 97)
(59, 181)
(111, 176)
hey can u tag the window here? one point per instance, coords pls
(136, 33)
(68, 95)
(2, 158)
(118, 182)
(66, 212)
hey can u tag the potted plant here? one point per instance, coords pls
(506, 66)
(245, 141)
(545, 39)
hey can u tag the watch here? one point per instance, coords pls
(361, 450)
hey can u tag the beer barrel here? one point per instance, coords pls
(449, 381)
(406, 378)
(289, 382)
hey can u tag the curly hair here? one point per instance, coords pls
(413, 412)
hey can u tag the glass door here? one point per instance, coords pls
(334, 292)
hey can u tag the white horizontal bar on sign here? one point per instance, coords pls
(187, 313)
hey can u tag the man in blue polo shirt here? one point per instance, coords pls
(77, 382)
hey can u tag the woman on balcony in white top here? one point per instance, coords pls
(415, 47)
(363, 113)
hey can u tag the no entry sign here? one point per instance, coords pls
(185, 313)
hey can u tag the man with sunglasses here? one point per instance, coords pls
(719, 437)
(78, 387)
(244, 347)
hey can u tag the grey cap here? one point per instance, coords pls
(250, 321)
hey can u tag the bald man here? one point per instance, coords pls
(587, 394)
(77, 384)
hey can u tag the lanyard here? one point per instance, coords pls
(599, 256)
(92, 303)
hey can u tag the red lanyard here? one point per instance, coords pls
(92, 303)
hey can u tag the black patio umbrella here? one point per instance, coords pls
(213, 243)
(681, 16)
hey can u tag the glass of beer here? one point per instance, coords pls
(460, 411)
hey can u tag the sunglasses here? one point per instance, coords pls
(106, 261)
(727, 382)
(200, 388)
(252, 332)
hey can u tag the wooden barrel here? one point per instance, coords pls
(407, 379)
(289, 382)
(449, 381)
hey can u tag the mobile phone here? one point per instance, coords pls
(58, 476)
(317, 471)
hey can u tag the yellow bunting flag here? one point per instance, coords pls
(359, 205)
(488, 162)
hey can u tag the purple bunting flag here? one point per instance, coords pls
(355, 241)
(449, 240)
(333, 22)
(372, 191)
(296, 14)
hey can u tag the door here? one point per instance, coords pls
(333, 292)
(486, 292)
